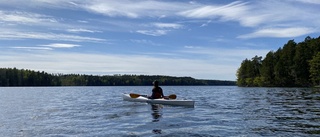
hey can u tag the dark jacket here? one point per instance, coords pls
(157, 93)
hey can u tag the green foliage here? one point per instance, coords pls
(15, 77)
(285, 65)
(248, 71)
(315, 69)
(292, 65)
(267, 70)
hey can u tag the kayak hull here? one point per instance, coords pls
(174, 102)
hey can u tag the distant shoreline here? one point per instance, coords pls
(12, 77)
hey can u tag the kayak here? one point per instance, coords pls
(174, 102)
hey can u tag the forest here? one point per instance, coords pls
(25, 77)
(293, 65)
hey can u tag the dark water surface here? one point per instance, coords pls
(100, 111)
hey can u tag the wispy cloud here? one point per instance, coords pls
(168, 25)
(248, 14)
(230, 12)
(206, 24)
(279, 32)
(11, 35)
(253, 14)
(82, 30)
(46, 47)
(159, 29)
(61, 45)
(24, 17)
(33, 48)
(257, 15)
(153, 32)
(135, 9)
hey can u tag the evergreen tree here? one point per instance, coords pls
(267, 70)
(303, 54)
(284, 68)
(315, 69)
(288, 66)
(242, 73)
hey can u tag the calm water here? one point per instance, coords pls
(100, 111)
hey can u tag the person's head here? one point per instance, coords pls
(156, 83)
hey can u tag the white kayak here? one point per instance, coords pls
(175, 102)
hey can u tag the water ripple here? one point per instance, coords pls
(100, 111)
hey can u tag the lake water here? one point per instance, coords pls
(100, 111)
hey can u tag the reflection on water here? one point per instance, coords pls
(156, 116)
(156, 112)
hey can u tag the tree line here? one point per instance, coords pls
(293, 65)
(25, 77)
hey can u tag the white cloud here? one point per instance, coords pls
(279, 32)
(168, 25)
(41, 3)
(24, 17)
(153, 32)
(135, 9)
(162, 29)
(211, 11)
(258, 14)
(46, 47)
(33, 48)
(82, 30)
(60, 45)
(254, 14)
(11, 35)
(235, 11)
(206, 24)
(248, 14)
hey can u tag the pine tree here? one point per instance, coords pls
(267, 70)
(315, 69)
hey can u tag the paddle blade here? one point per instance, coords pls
(172, 96)
(133, 95)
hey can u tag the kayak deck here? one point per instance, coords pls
(175, 102)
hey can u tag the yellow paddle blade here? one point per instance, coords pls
(173, 96)
(133, 95)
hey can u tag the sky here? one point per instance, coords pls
(203, 39)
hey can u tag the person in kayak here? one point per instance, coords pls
(156, 91)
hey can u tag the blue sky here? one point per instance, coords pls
(204, 39)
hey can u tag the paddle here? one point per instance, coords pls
(172, 96)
